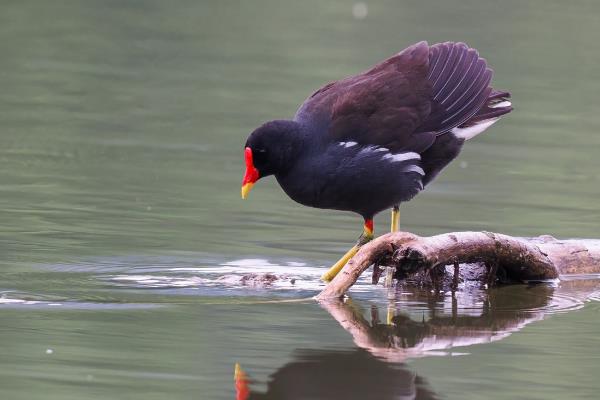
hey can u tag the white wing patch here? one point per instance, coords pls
(348, 144)
(401, 157)
(473, 130)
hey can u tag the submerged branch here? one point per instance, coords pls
(500, 256)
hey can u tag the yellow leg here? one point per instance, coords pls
(366, 236)
(390, 314)
(337, 267)
(389, 271)
(395, 226)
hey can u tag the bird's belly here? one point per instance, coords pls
(364, 191)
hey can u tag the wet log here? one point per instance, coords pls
(513, 259)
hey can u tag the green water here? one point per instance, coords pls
(121, 156)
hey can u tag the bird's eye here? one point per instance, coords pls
(260, 156)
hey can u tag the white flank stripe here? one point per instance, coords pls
(501, 104)
(401, 157)
(415, 168)
(474, 130)
(369, 149)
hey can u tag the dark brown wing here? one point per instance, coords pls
(404, 102)
(382, 106)
(459, 81)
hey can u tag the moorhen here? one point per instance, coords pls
(374, 140)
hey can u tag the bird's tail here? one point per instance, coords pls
(463, 100)
(496, 105)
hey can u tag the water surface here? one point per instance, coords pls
(121, 155)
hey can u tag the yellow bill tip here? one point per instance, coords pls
(246, 189)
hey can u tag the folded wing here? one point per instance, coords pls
(406, 101)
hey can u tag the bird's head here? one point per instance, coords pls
(269, 150)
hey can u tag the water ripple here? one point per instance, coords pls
(26, 300)
(252, 275)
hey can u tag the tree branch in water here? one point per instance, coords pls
(499, 256)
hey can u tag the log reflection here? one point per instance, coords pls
(443, 325)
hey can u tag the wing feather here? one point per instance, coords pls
(406, 101)
(458, 95)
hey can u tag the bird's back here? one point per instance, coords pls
(407, 100)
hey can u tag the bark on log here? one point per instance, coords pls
(520, 259)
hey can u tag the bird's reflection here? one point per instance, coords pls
(427, 324)
(348, 375)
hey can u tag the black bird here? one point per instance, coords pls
(374, 140)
